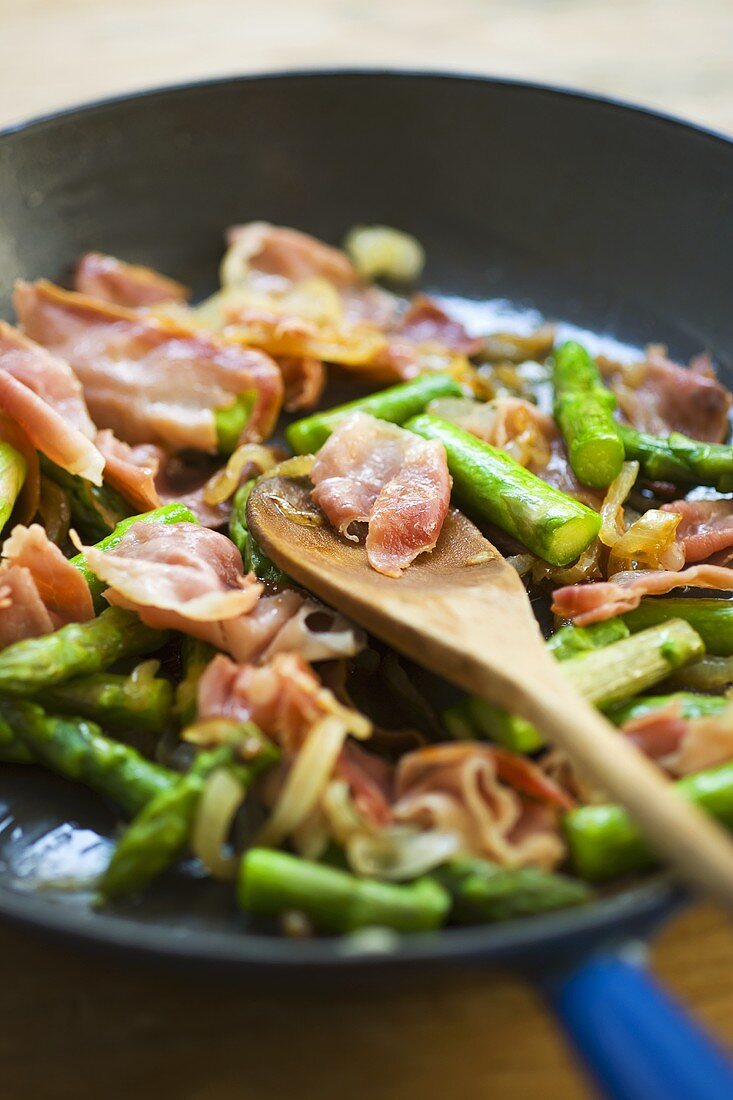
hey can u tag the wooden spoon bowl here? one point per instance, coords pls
(463, 612)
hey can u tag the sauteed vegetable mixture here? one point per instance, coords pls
(151, 651)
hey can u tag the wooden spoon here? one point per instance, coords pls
(462, 612)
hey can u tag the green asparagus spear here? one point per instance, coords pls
(78, 649)
(604, 842)
(255, 560)
(195, 656)
(712, 674)
(272, 883)
(95, 509)
(570, 640)
(689, 703)
(679, 459)
(396, 404)
(474, 718)
(584, 411)
(13, 468)
(78, 750)
(492, 487)
(159, 834)
(231, 421)
(626, 668)
(115, 702)
(483, 891)
(169, 513)
(711, 618)
(162, 829)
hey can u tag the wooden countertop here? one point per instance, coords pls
(83, 1026)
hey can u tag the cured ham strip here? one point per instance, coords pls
(659, 396)
(593, 603)
(706, 528)
(23, 613)
(304, 379)
(283, 697)
(43, 395)
(40, 590)
(150, 380)
(122, 284)
(182, 577)
(374, 472)
(459, 789)
(61, 587)
(425, 322)
(131, 470)
(276, 250)
(682, 745)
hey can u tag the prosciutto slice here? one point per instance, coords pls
(593, 603)
(182, 577)
(277, 250)
(705, 529)
(659, 396)
(283, 697)
(44, 396)
(459, 789)
(40, 590)
(131, 470)
(304, 379)
(121, 284)
(374, 472)
(23, 613)
(150, 380)
(682, 745)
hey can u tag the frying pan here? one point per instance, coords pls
(614, 218)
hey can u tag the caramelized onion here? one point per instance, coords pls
(221, 797)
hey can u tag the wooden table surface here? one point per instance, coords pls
(79, 1026)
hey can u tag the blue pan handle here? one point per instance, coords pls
(637, 1042)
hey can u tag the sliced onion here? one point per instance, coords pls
(306, 780)
(521, 562)
(343, 818)
(612, 509)
(649, 543)
(298, 466)
(380, 251)
(221, 797)
(225, 481)
(400, 852)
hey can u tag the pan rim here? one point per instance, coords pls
(628, 911)
(565, 91)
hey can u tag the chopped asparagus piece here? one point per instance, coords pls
(493, 488)
(78, 750)
(272, 883)
(116, 702)
(78, 649)
(604, 842)
(584, 411)
(711, 618)
(483, 891)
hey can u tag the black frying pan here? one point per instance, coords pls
(614, 218)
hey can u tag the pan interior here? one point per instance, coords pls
(542, 204)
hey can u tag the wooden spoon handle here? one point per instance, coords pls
(690, 840)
